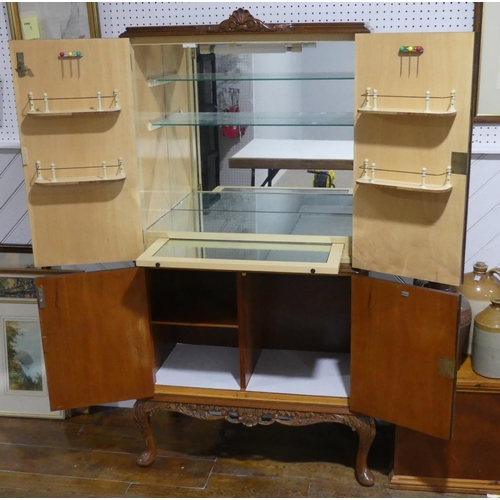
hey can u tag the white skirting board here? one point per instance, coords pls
(277, 371)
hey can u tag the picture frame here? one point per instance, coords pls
(23, 381)
(19, 257)
(487, 63)
(53, 20)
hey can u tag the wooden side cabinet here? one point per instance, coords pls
(467, 463)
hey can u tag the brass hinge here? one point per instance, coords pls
(21, 69)
(459, 163)
(447, 368)
(40, 297)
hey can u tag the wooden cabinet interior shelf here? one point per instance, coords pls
(193, 298)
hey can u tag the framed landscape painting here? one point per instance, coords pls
(23, 383)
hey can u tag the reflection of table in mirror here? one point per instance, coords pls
(290, 154)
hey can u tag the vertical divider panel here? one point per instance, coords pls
(249, 335)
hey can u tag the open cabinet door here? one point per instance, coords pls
(96, 339)
(403, 352)
(411, 153)
(76, 120)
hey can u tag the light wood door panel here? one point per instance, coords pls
(419, 234)
(96, 338)
(399, 335)
(82, 222)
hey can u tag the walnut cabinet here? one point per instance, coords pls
(290, 320)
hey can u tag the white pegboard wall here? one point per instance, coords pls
(486, 139)
(380, 16)
(115, 17)
(9, 134)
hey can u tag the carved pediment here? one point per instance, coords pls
(241, 20)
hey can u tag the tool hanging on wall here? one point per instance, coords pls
(229, 100)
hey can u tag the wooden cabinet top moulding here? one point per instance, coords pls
(244, 25)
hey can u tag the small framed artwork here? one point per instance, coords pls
(487, 62)
(23, 382)
(53, 20)
(19, 257)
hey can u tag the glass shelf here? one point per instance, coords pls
(276, 200)
(231, 77)
(249, 250)
(312, 212)
(243, 119)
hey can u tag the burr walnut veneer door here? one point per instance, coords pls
(403, 351)
(76, 113)
(96, 339)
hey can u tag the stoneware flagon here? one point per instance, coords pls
(479, 286)
(486, 343)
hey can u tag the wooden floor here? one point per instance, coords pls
(93, 455)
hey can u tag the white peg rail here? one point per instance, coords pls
(115, 107)
(54, 180)
(371, 104)
(369, 178)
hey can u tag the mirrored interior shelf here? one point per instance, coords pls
(234, 77)
(244, 119)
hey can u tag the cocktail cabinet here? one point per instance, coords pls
(253, 304)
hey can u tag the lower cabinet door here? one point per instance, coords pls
(96, 338)
(403, 354)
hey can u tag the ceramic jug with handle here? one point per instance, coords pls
(480, 286)
(486, 344)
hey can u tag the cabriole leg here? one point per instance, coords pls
(143, 409)
(365, 427)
